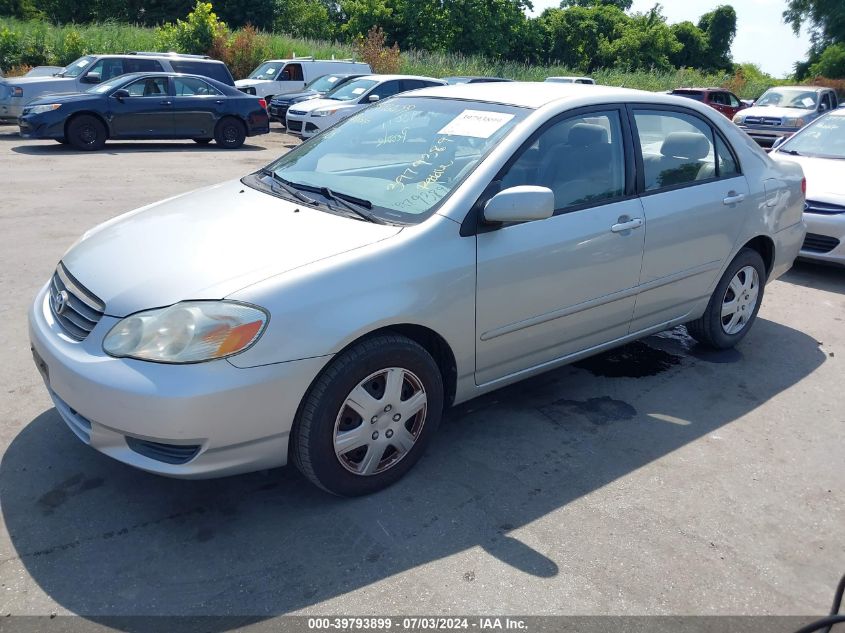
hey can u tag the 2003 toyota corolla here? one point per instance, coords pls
(430, 248)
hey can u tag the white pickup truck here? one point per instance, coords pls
(283, 76)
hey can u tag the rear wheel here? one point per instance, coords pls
(86, 132)
(734, 304)
(369, 417)
(230, 133)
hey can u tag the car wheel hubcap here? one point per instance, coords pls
(230, 134)
(380, 421)
(740, 300)
(88, 134)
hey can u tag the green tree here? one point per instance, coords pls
(825, 18)
(693, 41)
(579, 37)
(719, 27)
(830, 63)
(196, 34)
(646, 43)
(625, 5)
(304, 18)
(258, 13)
(493, 28)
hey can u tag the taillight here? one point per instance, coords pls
(804, 186)
(263, 103)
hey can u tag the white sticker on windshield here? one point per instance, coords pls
(358, 91)
(332, 80)
(476, 123)
(808, 101)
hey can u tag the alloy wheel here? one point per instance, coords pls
(740, 300)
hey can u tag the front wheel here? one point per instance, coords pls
(369, 417)
(230, 133)
(734, 304)
(86, 132)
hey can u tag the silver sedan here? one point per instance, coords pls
(430, 248)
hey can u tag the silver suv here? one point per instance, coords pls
(16, 92)
(784, 110)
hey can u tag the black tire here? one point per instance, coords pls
(230, 133)
(86, 132)
(203, 141)
(313, 435)
(710, 328)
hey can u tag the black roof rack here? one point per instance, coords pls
(167, 54)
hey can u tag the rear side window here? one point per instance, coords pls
(192, 87)
(215, 70)
(680, 149)
(690, 94)
(141, 65)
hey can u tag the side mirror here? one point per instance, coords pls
(520, 204)
(373, 98)
(780, 141)
(120, 94)
(822, 107)
(91, 78)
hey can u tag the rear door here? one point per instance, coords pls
(695, 200)
(146, 113)
(197, 106)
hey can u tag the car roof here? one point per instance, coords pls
(536, 94)
(159, 73)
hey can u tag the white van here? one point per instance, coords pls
(283, 76)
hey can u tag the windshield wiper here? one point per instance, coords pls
(287, 187)
(794, 152)
(358, 206)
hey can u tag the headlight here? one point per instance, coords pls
(38, 109)
(739, 119)
(187, 332)
(793, 122)
(17, 91)
(323, 112)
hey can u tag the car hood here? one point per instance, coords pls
(246, 83)
(824, 176)
(775, 111)
(57, 83)
(207, 244)
(292, 97)
(314, 104)
(63, 98)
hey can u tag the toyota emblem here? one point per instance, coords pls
(60, 301)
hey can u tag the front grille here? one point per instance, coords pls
(298, 112)
(75, 308)
(167, 453)
(295, 126)
(823, 208)
(763, 120)
(815, 243)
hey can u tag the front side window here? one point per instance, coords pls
(387, 89)
(292, 72)
(149, 87)
(581, 159)
(107, 68)
(733, 100)
(676, 148)
(404, 156)
(193, 87)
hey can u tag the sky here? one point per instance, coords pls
(761, 36)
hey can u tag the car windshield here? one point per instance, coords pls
(788, 98)
(403, 155)
(824, 138)
(106, 86)
(351, 90)
(267, 70)
(324, 83)
(76, 68)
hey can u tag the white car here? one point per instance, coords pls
(286, 76)
(571, 80)
(820, 149)
(309, 118)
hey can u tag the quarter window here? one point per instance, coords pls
(581, 159)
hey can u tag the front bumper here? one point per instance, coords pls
(35, 126)
(765, 136)
(277, 112)
(301, 125)
(825, 241)
(225, 420)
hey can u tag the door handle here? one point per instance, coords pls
(220, 101)
(166, 102)
(626, 225)
(733, 198)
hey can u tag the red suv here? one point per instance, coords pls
(719, 99)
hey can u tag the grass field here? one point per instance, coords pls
(36, 43)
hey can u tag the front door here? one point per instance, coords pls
(550, 288)
(146, 113)
(695, 200)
